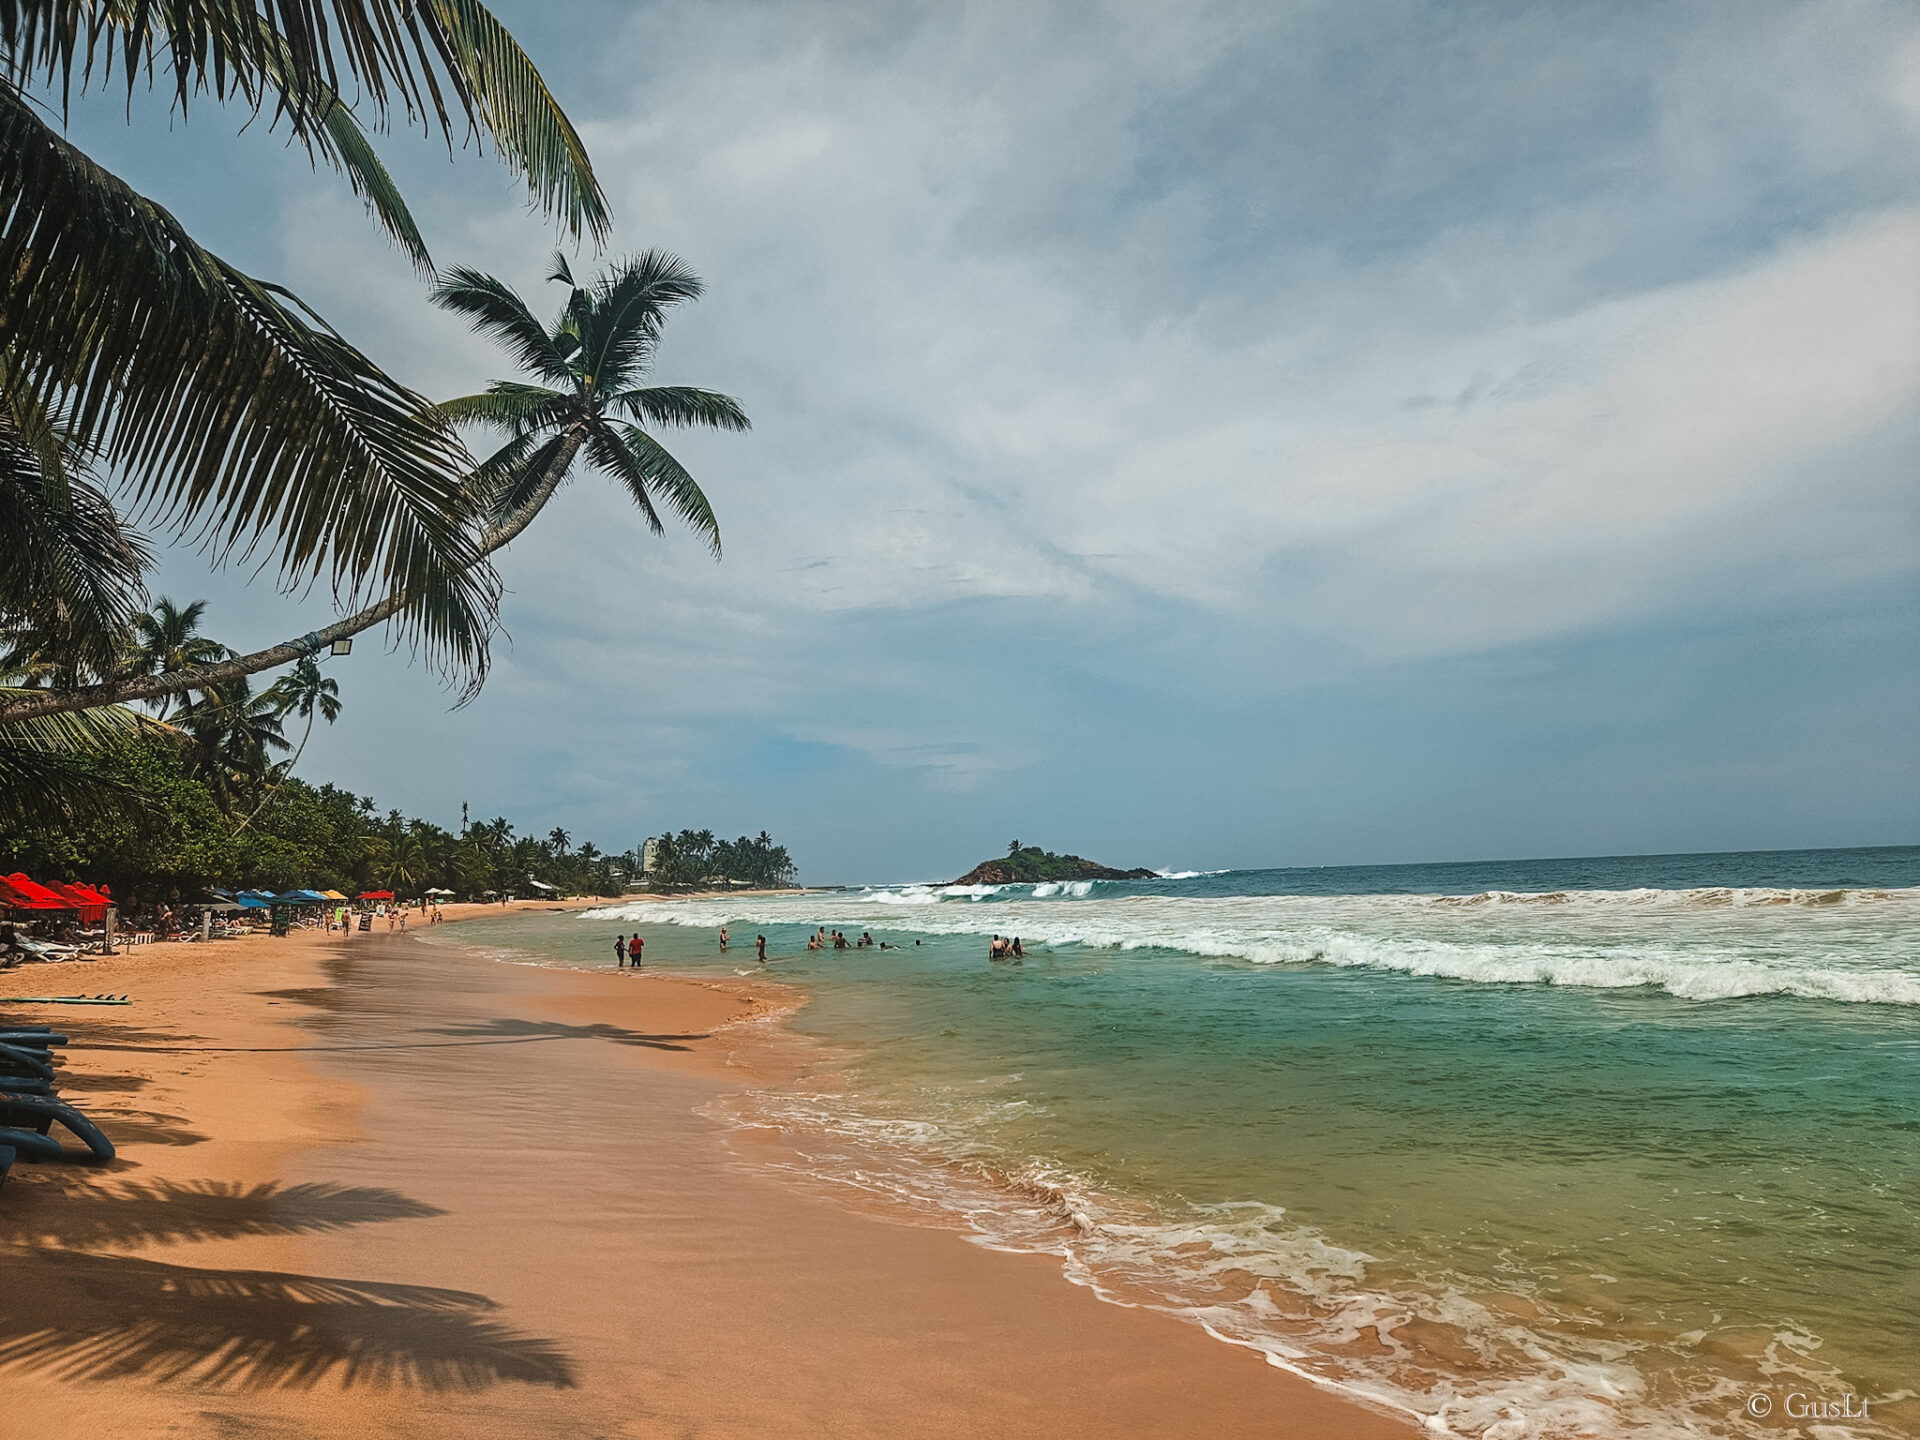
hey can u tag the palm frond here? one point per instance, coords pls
(70, 573)
(345, 145)
(643, 465)
(683, 405)
(230, 412)
(494, 309)
(505, 405)
(332, 132)
(49, 767)
(517, 473)
(526, 122)
(629, 304)
(432, 62)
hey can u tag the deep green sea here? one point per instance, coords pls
(1624, 1146)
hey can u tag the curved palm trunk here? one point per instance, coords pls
(275, 790)
(28, 706)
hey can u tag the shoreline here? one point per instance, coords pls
(372, 1187)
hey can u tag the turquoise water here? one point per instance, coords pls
(1546, 1148)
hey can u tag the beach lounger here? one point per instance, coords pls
(19, 1058)
(15, 1143)
(40, 1112)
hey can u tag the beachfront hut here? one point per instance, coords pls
(543, 887)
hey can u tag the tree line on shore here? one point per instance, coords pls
(200, 800)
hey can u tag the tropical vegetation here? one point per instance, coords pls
(232, 412)
(226, 411)
(697, 860)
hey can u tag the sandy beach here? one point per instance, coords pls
(382, 1187)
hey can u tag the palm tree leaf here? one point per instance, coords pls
(643, 465)
(70, 572)
(526, 122)
(507, 406)
(628, 304)
(332, 132)
(683, 405)
(432, 62)
(225, 407)
(494, 309)
(516, 472)
(345, 145)
(48, 766)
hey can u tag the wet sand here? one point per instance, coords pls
(386, 1188)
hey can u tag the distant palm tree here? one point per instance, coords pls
(590, 363)
(232, 732)
(302, 691)
(559, 839)
(168, 638)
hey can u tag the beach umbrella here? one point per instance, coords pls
(91, 905)
(28, 896)
(376, 895)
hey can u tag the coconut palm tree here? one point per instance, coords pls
(589, 398)
(603, 342)
(168, 637)
(232, 411)
(559, 839)
(232, 732)
(304, 691)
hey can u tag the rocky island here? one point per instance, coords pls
(1030, 865)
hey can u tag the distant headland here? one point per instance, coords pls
(1030, 865)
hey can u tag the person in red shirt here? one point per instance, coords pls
(634, 947)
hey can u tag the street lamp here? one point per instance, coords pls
(342, 646)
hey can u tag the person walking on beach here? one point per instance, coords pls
(634, 947)
(760, 948)
(620, 950)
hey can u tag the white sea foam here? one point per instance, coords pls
(1250, 1275)
(1846, 946)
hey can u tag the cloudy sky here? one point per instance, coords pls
(1200, 435)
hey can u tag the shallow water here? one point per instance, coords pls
(1527, 1157)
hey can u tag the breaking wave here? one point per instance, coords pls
(1449, 1355)
(1856, 946)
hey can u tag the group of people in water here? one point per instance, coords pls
(824, 939)
(628, 949)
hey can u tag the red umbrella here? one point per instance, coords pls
(90, 903)
(375, 895)
(28, 896)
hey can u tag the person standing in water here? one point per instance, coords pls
(724, 937)
(760, 948)
(634, 947)
(620, 951)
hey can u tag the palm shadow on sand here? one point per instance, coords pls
(100, 1317)
(505, 1029)
(68, 1212)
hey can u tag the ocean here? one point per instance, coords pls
(1625, 1146)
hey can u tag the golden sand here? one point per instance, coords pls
(382, 1188)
